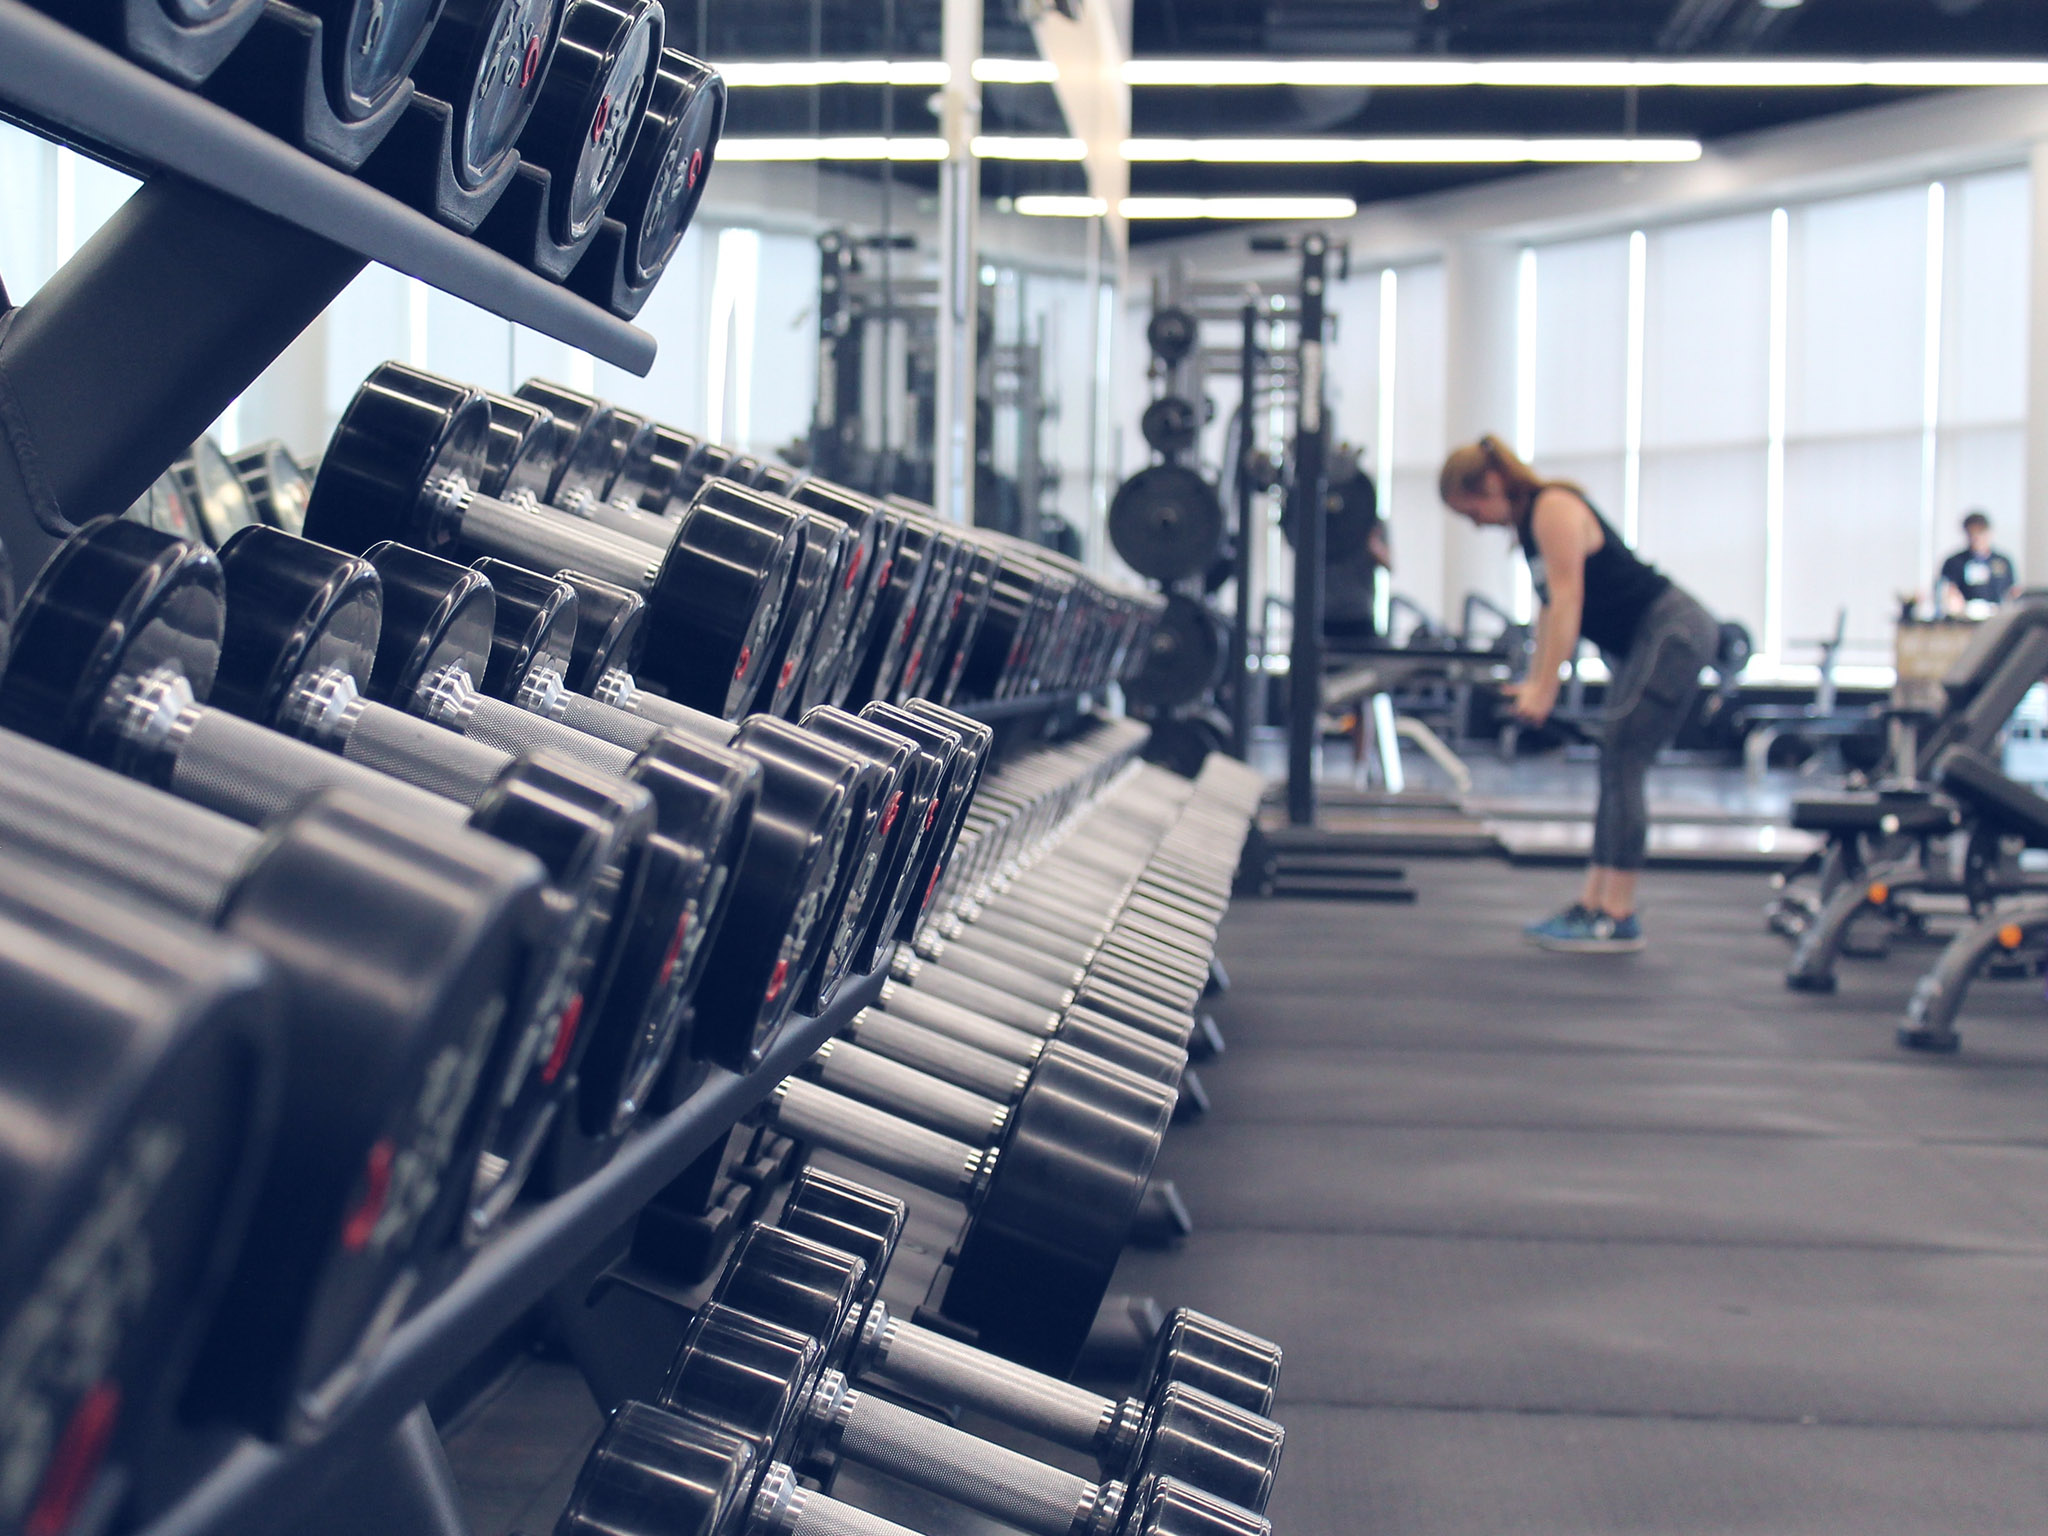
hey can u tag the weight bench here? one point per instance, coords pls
(2011, 929)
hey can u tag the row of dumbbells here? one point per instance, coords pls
(560, 132)
(393, 947)
(793, 1366)
(558, 992)
(765, 590)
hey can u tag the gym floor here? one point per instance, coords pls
(1646, 1244)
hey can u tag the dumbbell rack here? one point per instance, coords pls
(379, 1445)
(235, 243)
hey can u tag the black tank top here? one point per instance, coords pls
(1619, 586)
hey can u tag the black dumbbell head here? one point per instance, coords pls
(839, 1213)
(149, 1082)
(654, 467)
(795, 1283)
(715, 607)
(656, 1473)
(487, 59)
(749, 1375)
(436, 613)
(589, 113)
(608, 630)
(116, 602)
(293, 608)
(1162, 1507)
(1223, 1361)
(664, 181)
(404, 434)
(1205, 1442)
(370, 49)
(534, 627)
(594, 458)
(526, 443)
(277, 483)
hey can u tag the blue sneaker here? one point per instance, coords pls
(1579, 931)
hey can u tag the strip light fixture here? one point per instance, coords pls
(1043, 205)
(1514, 74)
(1258, 151)
(1580, 74)
(1412, 151)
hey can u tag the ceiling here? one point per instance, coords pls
(1855, 29)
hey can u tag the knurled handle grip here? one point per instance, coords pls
(423, 754)
(88, 820)
(655, 709)
(933, 1051)
(811, 1513)
(947, 1370)
(992, 1002)
(940, 1106)
(927, 1011)
(250, 773)
(547, 541)
(999, 1482)
(616, 726)
(882, 1141)
(1025, 988)
(512, 729)
(1055, 958)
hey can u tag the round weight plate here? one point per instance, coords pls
(664, 180)
(1166, 522)
(405, 434)
(486, 59)
(795, 645)
(294, 609)
(593, 459)
(778, 479)
(1170, 425)
(655, 1473)
(1183, 659)
(116, 602)
(1044, 1239)
(717, 600)
(924, 784)
(896, 607)
(877, 845)
(1210, 1444)
(1223, 1361)
(1185, 742)
(436, 613)
(1351, 512)
(1171, 334)
(853, 602)
(948, 809)
(371, 46)
(608, 631)
(165, 508)
(780, 892)
(533, 628)
(219, 501)
(1159, 1506)
(149, 1079)
(583, 126)
(944, 595)
(849, 1217)
(515, 456)
(749, 1375)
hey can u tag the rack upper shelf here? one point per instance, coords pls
(53, 79)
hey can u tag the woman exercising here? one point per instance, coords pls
(1656, 637)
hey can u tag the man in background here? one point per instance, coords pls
(1976, 578)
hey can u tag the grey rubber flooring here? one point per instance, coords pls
(1648, 1244)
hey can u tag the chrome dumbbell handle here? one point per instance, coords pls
(784, 1507)
(880, 1140)
(862, 1074)
(941, 1054)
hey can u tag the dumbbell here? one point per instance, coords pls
(402, 944)
(328, 647)
(148, 1089)
(965, 744)
(518, 461)
(579, 138)
(659, 191)
(220, 503)
(403, 464)
(1190, 1347)
(184, 41)
(657, 1473)
(654, 463)
(1049, 1208)
(1177, 1428)
(120, 632)
(771, 1382)
(870, 672)
(958, 642)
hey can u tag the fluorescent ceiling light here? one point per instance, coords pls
(914, 72)
(1052, 206)
(996, 147)
(1408, 151)
(832, 149)
(1581, 73)
(1237, 207)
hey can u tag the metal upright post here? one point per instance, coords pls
(1241, 623)
(959, 263)
(830, 449)
(1305, 507)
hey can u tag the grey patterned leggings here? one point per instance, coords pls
(1646, 704)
